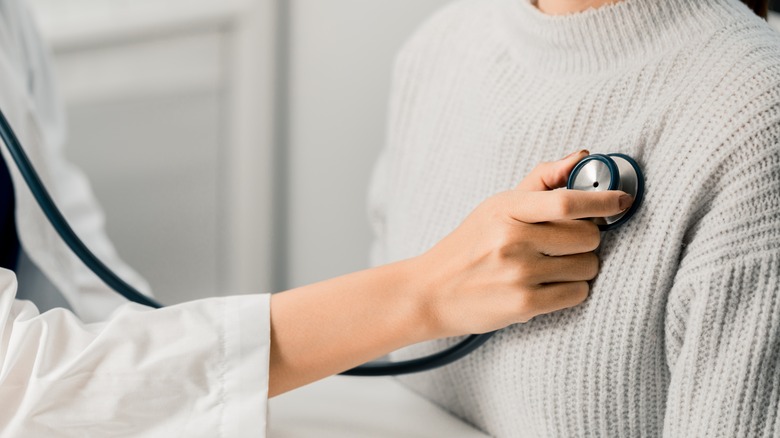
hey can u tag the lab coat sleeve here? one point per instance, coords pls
(198, 369)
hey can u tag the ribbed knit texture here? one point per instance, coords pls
(681, 334)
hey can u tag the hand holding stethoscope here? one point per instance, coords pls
(519, 254)
(524, 252)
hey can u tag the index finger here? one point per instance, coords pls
(562, 204)
(552, 175)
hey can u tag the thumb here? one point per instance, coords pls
(551, 175)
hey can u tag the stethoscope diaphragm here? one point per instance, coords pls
(600, 172)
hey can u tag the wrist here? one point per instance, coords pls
(418, 291)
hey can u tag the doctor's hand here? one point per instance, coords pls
(519, 254)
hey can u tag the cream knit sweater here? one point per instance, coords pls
(681, 334)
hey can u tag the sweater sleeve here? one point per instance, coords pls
(723, 313)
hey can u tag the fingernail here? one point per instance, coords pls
(625, 201)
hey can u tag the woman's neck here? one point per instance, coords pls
(562, 7)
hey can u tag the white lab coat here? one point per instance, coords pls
(112, 369)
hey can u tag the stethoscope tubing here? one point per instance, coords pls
(373, 369)
(61, 225)
(71, 239)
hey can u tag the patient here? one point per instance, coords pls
(681, 333)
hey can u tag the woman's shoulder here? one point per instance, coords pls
(734, 78)
(744, 53)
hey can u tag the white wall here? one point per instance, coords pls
(341, 54)
(171, 108)
(173, 117)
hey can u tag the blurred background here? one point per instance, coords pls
(230, 141)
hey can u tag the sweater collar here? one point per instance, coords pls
(612, 36)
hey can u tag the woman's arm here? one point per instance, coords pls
(519, 254)
(722, 322)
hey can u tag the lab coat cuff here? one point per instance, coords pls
(247, 352)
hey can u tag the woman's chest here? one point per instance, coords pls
(585, 368)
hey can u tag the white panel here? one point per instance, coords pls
(73, 23)
(153, 165)
(171, 111)
(341, 56)
(146, 68)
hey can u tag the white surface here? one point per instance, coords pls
(360, 407)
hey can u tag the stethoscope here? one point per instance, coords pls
(596, 172)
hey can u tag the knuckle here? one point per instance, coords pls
(510, 245)
(494, 210)
(522, 275)
(502, 204)
(561, 174)
(563, 204)
(506, 246)
(526, 303)
(591, 234)
(494, 204)
(581, 291)
(525, 232)
(592, 265)
(503, 251)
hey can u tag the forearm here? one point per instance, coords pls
(506, 263)
(328, 327)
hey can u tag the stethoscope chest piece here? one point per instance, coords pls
(600, 172)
